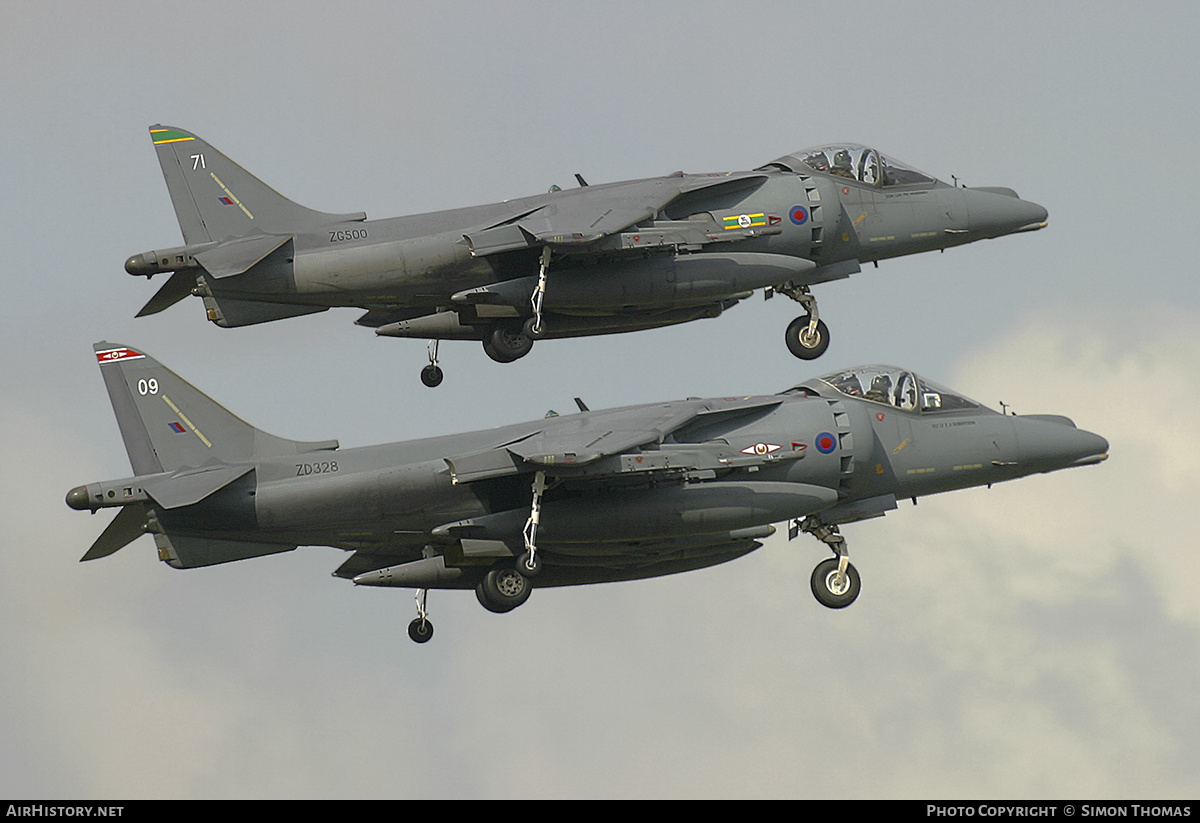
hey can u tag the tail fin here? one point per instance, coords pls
(168, 424)
(215, 198)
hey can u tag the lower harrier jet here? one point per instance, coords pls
(598, 496)
(592, 260)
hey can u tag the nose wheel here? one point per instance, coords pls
(807, 336)
(835, 582)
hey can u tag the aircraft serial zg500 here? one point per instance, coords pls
(598, 496)
(599, 259)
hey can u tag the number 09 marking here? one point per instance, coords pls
(147, 387)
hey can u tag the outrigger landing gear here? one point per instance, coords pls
(835, 582)
(533, 327)
(528, 563)
(504, 588)
(432, 375)
(421, 629)
(509, 341)
(807, 336)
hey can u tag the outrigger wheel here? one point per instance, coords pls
(432, 376)
(420, 630)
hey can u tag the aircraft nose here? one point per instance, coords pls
(1049, 442)
(997, 212)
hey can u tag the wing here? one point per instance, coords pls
(620, 441)
(590, 219)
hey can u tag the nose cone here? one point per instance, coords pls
(997, 212)
(1048, 442)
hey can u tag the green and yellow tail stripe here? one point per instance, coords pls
(169, 136)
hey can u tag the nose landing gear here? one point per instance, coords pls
(835, 582)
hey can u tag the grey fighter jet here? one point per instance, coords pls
(597, 259)
(591, 497)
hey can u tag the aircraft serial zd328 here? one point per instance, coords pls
(592, 260)
(597, 496)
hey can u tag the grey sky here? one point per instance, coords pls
(1040, 639)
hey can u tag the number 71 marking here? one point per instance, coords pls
(198, 162)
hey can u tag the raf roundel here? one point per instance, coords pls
(798, 215)
(826, 442)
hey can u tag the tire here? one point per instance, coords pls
(431, 376)
(420, 630)
(525, 567)
(799, 342)
(528, 329)
(505, 344)
(823, 577)
(503, 589)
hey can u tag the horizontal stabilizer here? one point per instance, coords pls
(127, 526)
(241, 255)
(177, 287)
(188, 486)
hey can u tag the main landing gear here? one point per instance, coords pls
(807, 336)
(513, 340)
(503, 587)
(835, 582)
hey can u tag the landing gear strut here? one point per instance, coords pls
(807, 336)
(835, 582)
(533, 327)
(528, 563)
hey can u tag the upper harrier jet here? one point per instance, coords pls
(591, 260)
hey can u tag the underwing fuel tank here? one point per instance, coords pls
(656, 282)
(644, 515)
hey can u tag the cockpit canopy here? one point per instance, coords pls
(891, 386)
(854, 162)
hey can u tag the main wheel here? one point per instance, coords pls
(826, 589)
(502, 590)
(805, 344)
(505, 344)
(420, 630)
(431, 376)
